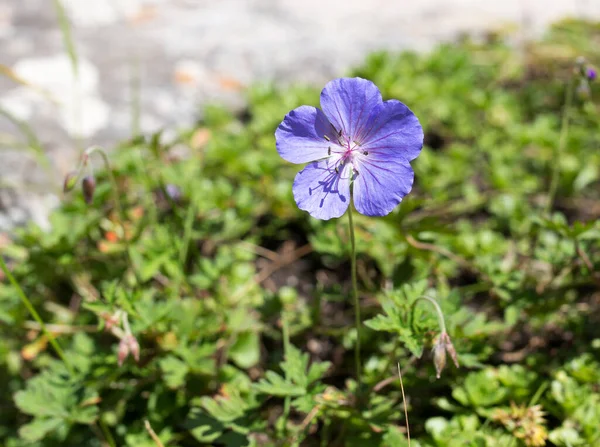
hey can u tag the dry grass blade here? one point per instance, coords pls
(405, 406)
(153, 434)
(32, 140)
(8, 73)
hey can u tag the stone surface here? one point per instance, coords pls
(184, 53)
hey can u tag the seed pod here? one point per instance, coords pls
(70, 181)
(88, 184)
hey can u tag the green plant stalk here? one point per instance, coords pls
(355, 295)
(285, 329)
(36, 316)
(437, 308)
(135, 98)
(106, 432)
(120, 211)
(65, 28)
(185, 241)
(564, 132)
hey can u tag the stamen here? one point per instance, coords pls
(365, 153)
(329, 150)
(326, 137)
(356, 142)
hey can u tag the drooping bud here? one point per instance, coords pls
(123, 350)
(443, 345)
(439, 358)
(134, 347)
(88, 184)
(70, 181)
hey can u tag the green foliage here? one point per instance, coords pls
(213, 268)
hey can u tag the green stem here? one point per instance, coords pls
(285, 328)
(437, 307)
(356, 302)
(121, 213)
(36, 316)
(564, 132)
(107, 434)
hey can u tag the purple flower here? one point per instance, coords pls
(591, 74)
(356, 141)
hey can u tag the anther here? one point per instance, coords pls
(365, 153)
(326, 137)
(329, 150)
(356, 142)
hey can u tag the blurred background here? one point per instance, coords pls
(95, 72)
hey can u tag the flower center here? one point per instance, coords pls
(345, 148)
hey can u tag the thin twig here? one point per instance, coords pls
(261, 251)
(266, 272)
(440, 250)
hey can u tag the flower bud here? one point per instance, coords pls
(123, 350)
(88, 185)
(439, 358)
(70, 181)
(134, 347)
(591, 74)
(443, 345)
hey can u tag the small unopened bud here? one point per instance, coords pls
(70, 181)
(591, 74)
(134, 347)
(443, 345)
(123, 350)
(88, 185)
(439, 358)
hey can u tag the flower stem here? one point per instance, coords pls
(285, 328)
(36, 316)
(564, 132)
(437, 308)
(121, 213)
(356, 302)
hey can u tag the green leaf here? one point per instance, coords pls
(174, 371)
(245, 352)
(39, 428)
